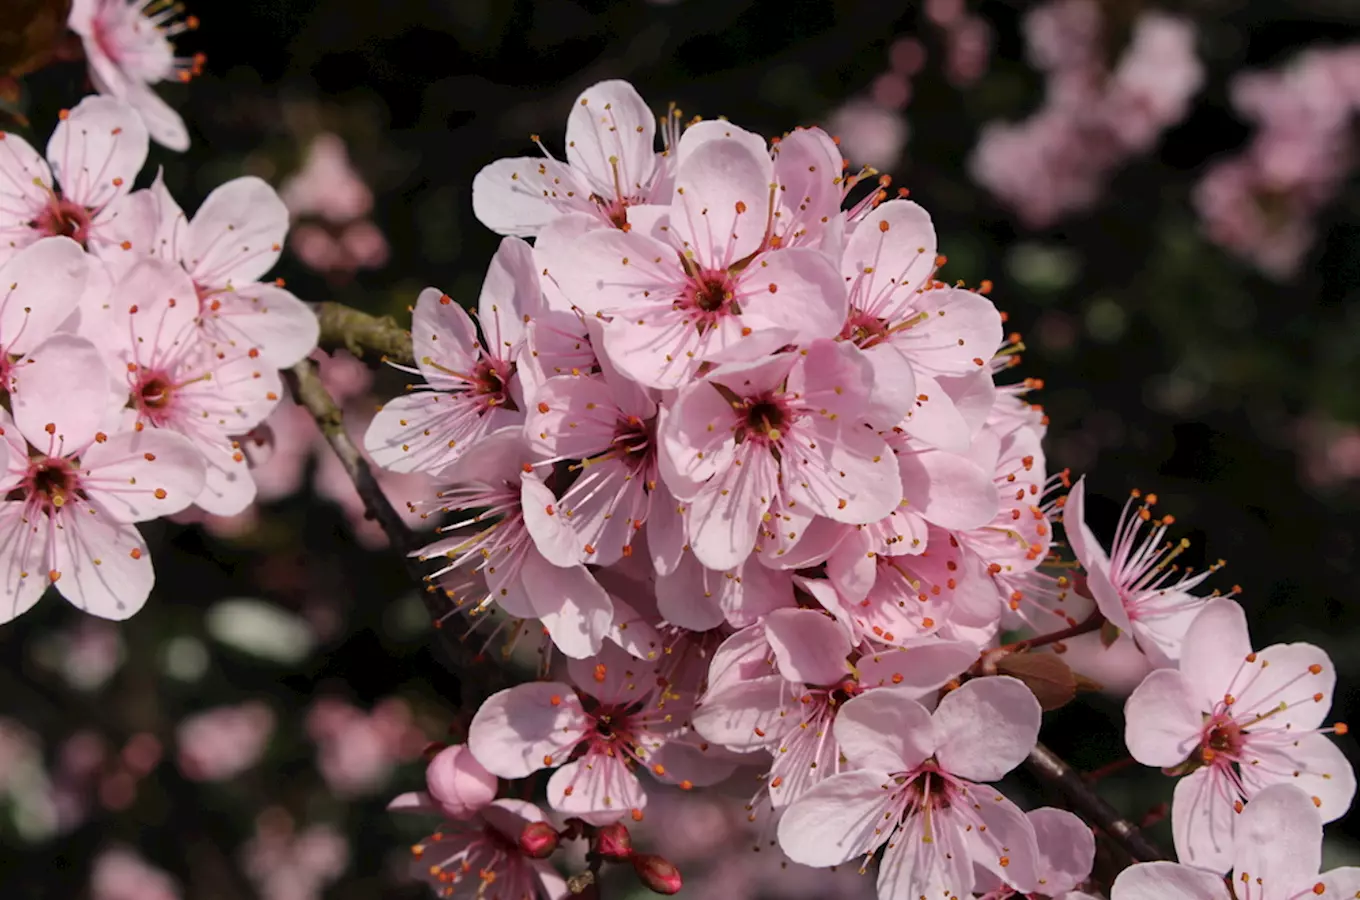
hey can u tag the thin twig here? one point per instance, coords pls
(343, 327)
(1050, 768)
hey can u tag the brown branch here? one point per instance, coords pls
(478, 675)
(343, 327)
(1051, 769)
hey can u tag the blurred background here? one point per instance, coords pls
(1162, 193)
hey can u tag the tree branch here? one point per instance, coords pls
(343, 327)
(478, 676)
(1050, 768)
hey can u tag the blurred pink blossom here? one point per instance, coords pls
(335, 235)
(221, 743)
(1329, 451)
(358, 750)
(870, 133)
(120, 874)
(286, 864)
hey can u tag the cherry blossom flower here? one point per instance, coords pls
(1236, 721)
(1136, 586)
(327, 184)
(472, 389)
(121, 874)
(612, 719)
(76, 490)
(1276, 855)
(725, 274)
(220, 743)
(81, 190)
(358, 749)
(128, 45)
(919, 786)
(44, 282)
(611, 165)
(789, 428)
(227, 247)
(1067, 850)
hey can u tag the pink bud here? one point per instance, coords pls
(538, 840)
(458, 783)
(613, 842)
(658, 873)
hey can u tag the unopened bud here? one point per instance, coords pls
(657, 873)
(538, 840)
(613, 842)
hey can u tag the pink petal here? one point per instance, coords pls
(1312, 763)
(885, 732)
(610, 136)
(1215, 649)
(986, 728)
(1343, 882)
(414, 802)
(64, 384)
(22, 576)
(721, 198)
(850, 476)
(807, 167)
(747, 715)
(1067, 850)
(603, 789)
(97, 150)
(834, 378)
(1168, 881)
(264, 317)
(808, 646)
(575, 610)
(515, 729)
(42, 285)
(682, 761)
(838, 820)
(1093, 558)
(919, 668)
(1004, 842)
(1163, 719)
(936, 420)
(950, 490)
(572, 417)
(163, 124)
(510, 294)
(444, 338)
(28, 182)
(725, 516)
(427, 431)
(1300, 675)
(228, 487)
(236, 235)
(552, 534)
(701, 133)
(914, 867)
(962, 327)
(742, 657)
(615, 676)
(1277, 842)
(155, 312)
(1161, 634)
(610, 271)
(521, 195)
(894, 392)
(104, 565)
(886, 266)
(795, 292)
(136, 476)
(688, 597)
(1203, 818)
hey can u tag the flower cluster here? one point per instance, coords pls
(740, 455)
(1095, 116)
(139, 345)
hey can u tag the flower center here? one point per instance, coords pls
(711, 292)
(49, 483)
(1223, 738)
(62, 218)
(489, 380)
(153, 395)
(765, 419)
(864, 329)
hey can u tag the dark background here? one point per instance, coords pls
(426, 93)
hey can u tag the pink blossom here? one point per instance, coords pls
(1237, 721)
(611, 165)
(327, 184)
(1276, 854)
(358, 750)
(286, 864)
(77, 490)
(1136, 587)
(128, 46)
(1067, 850)
(457, 787)
(870, 133)
(914, 786)
(788, 429)
(726, 272)
(121, 874)
(471, 388)
(1154, 81)
(219, 744)
(82, 190)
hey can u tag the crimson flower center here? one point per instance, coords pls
(62, 218)
(489, 380)
(1223, 736)
(863, 328)
(49, 483)
(765, 418)
(154, 394)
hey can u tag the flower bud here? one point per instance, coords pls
(538, 840)
(657, 873)
(613, 842)
(458, 783)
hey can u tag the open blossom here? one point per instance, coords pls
(472, 388)
(790, 428)
(612, 164)
(128, 45)
(73, 490)
(723, 274)
(1136, 586)
(81, 190)
(43, 286)
(918, 786)
(1067, 850)
(1276, 855)
(1238, 721)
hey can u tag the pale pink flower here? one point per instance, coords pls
(358, 750)
(1276, 855)
(1067, 850)
(612, 719)
(43, 284)
(121, 874)
(233, 240)
(918, 784)
(1136, 586)
(327, 184)
(1268, 224)
(479, 857)
(128, 45)
(699, 599)
(789, 429)
(76, 490)
(870, 133)
(456, 786)
(519, 544)
(82, 189)
(1154, 81)
(471, 386)
(727, 272)
(219, 744)
(612, 165)
(286, 864)
(1238, 721)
